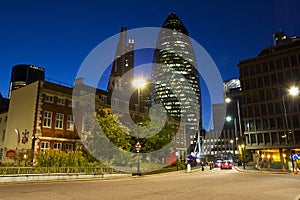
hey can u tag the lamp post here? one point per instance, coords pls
(138, 146)
(228, 119)
(34, 138)
(228, 100)
(239, 128)
(293, 91)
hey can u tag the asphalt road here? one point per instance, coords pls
(208, 185)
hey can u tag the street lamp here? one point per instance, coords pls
(138, 146)
(293, 91)
(236, 129)
(34, 138)
(228, 119)
(228, 100)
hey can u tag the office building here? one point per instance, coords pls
(271, 116)
(23, 74)
(176, 77)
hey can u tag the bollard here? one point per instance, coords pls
(188, 167)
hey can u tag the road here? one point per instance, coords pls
(208, 185)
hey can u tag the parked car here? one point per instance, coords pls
(226, 164)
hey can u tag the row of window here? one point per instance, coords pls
(59, 100)
(272, 123)
(57, 146)
(266, 109)
(59, 121)
(272, 138)
(178, 138)
(270, 66)
(280, 77)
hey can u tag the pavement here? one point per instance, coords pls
(249, 169)
(252, 169)
(47, 177)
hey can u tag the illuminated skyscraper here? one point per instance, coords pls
(175, 66)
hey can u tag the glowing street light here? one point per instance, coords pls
(229, 119)
(139, 83)
(293, 91)
(227, 100)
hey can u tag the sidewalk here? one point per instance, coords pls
(56, 177)
(252, 169)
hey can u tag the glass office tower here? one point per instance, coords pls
(177, 84)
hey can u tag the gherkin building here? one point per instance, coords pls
(174, 72)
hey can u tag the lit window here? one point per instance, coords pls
(59, 120)
(70, 123)
(47, 119)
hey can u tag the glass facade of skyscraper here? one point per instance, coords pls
(177, 85)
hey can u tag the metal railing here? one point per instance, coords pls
(56, 170)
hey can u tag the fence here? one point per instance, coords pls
(57, 170)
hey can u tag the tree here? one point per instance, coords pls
(114, 144)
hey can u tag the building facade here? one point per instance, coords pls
(23, 74)
(271, 116)
(223, 140)
(39, 118)
(122, 64)
(174, 55)
(4, 104)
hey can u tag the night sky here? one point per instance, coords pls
(58, 35)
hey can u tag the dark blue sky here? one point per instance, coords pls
(58, 35)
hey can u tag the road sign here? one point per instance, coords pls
(138, 145)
